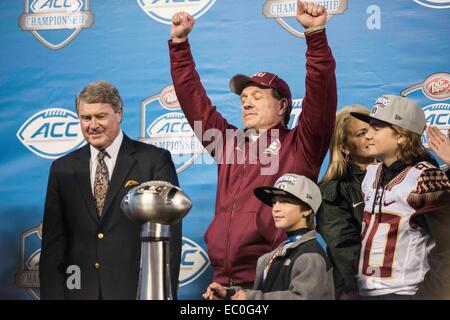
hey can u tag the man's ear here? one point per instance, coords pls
(283, 105)
(120, 114)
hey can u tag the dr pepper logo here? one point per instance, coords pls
(435, 87)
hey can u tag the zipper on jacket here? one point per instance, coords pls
(381, 203)
(227, 254)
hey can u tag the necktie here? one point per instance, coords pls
(101, 182)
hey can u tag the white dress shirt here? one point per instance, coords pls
(110, 160)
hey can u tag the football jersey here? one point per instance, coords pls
(394, 250)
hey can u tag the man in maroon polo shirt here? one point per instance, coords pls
(243, 229)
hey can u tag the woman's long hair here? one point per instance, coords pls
(338, 163)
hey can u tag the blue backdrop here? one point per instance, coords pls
(51, 48)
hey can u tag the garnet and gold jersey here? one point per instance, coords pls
(394, 249)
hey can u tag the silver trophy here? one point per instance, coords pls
(157, 205)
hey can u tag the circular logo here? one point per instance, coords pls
(169, 99)
(437, 86)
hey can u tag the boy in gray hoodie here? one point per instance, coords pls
(299, 267)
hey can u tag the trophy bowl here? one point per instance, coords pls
(157, 202)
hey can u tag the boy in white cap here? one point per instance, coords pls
(405, 250)
(299, 267)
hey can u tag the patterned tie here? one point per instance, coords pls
(101, 182)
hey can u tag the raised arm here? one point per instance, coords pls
(190, 92)
(316, 123)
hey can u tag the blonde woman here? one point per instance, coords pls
(339, 218)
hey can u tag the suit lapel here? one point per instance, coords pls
(81, 168)
(124, 164)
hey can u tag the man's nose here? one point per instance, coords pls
(247, 105)
(94, 122)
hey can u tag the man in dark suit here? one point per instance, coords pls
(84, 225)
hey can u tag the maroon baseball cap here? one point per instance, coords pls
(264, 80)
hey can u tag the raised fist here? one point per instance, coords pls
(182, 24)
(310, 14)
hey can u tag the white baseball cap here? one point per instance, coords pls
(396, 110)
(293, 186)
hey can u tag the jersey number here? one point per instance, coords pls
(379, 243)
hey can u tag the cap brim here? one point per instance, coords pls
(240, 81)
(361, 116)
(266, 194)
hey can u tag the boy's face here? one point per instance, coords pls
(289, 214)
(383, 142)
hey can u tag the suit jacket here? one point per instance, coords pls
(106, 249)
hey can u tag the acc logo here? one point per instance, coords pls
(171, 130)
(295, 113)
(170, 123)
(27, 277)
(56, 22)
(51, 133)
(163, 10)
(435, 4)
(194, 262)
(438, 115)
(280, 10)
